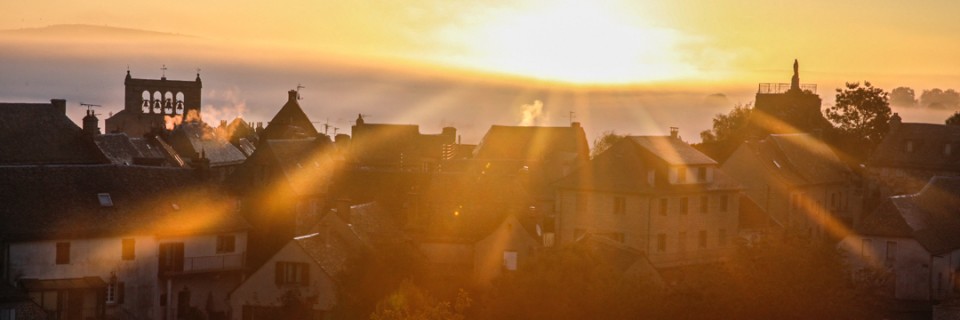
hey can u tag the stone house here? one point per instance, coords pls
(910, 154)
(655, 194)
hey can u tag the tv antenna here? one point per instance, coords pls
(90, 107)
(573, 115)
(298, 91)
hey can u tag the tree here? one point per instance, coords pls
(410, 302)
(903, 97)
(606, 140)
(940, 99)
(728, 126)
(954, 120)
(861, 113)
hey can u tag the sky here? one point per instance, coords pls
(631, 66)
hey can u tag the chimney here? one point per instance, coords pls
(895, 122)
(343, 210)
(60, 105)
(674, 132)
(291, 96)
(223, 123)
(90, 124)
(575, 124)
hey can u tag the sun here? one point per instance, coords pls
(586, 42)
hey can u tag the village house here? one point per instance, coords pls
(799, 182)
(41, 133)
(655, 194)
(910, 154)
(910, 243)
(398, 147)
(104, 241)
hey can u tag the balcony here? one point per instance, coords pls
(194, 265)
(776, 88)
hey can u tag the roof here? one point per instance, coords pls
(307, 164)
(624, 167)
(35, 133)
(928, 142)
(329, 250)
(204, 139)
(122, 149)
(929, 216)
(290, 122)
(672, 150)
(64, 202)
(799, 159)
(533, 143)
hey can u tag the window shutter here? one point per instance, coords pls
(306, 274)
(121, 290)
(279, 273)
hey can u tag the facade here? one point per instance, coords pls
(799, 182)
(911, 154)
(150, 104)
(910, 243)
(655, 194)
(398, 147)
(108, 245)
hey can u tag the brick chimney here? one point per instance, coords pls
(60, 105)
(674, 132)
(292, 96)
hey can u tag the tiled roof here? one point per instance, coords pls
(39, 133)
(928, 144)
(122, 149)
(533, 143)
(204, 139)
(929, 216)
(810, 158)
(672, 150)
(62, 202)
(307, 164)
(289, 123)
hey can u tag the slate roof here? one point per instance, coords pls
(800, 159)
(622, 169)
(40, 133)
(930, 216)
(672, 150)
(329, 250)
(290, 122)
(929, 142)
(63, 202)
(123, 150)
(307, 164)
(202, 138)
(533, 143)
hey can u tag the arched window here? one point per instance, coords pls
(179, 108)
(145, 102)
(156, 102)
(168, 103)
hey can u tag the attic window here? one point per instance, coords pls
(105, 200)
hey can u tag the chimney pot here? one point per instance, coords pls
(291, 95)
(674, 132)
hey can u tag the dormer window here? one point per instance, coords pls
(105, 200)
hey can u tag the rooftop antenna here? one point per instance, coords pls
(335, 129)
(298, 91)
(89, 107)
(326, 126)
(573, 115)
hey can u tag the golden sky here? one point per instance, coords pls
(585, 42)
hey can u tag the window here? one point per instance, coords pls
(171, 257)
(105, 200)
(63, 252)
(115, 290)
(226, 243)
(510, 260)
(909, 146)
(704, 204)
(702, 174)
(127, 249)
(8, 314)
(297, 273)
(723, 203)
(703, 239)
(865, 248)
(722, 237)
(682, 239)
(663, 206)
(947, 149)
(684, 205)
(619, 205)
(681, 174)
(891, 256)
(661, 243)
(581, 202)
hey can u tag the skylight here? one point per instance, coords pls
(105, 200)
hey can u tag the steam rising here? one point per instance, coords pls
(532, 114)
